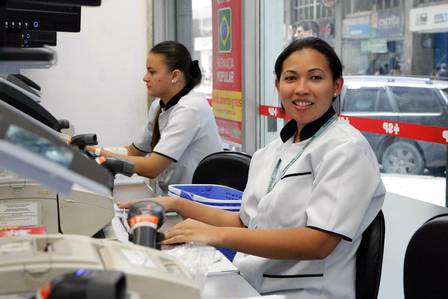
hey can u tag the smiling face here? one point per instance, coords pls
(158, 78)
(306, 85)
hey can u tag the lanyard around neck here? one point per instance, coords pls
(275, 178)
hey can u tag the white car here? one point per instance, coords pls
(402, 99)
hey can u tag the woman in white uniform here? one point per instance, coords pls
(181, 128)
(310, 194)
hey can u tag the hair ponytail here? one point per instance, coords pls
(195, 73)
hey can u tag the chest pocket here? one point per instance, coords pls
(295, 174)
(286, 204)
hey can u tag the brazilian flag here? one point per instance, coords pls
(225, 30)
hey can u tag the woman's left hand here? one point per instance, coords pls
(191, 230)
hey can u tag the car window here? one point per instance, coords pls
(417, 100)
(366, 100)
(383, 104)
(445, 92)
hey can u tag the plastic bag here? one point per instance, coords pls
(197, 259)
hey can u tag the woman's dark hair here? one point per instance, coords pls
(314, 43)
(178, 57)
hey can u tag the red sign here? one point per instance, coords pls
(385, 127)
(227, 81)
(22, 231)
(229, 130)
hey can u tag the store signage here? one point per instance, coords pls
(227, 69)
(389, 23)
(328, 3)
(374, 46)
(359, 30)
(429, 19)
(356, 27)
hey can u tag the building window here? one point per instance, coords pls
(428, 1)
(309, 10)
(386, 4)
(363, 5)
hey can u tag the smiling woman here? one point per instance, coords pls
(307, 81)
(310, 193)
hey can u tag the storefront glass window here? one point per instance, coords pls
(396, 72)
(202, 42)
(395, 68)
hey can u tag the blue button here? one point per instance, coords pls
(81, 272)
(35, 24)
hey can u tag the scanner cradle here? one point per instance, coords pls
(27, 262)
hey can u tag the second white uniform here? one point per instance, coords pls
(188, 133)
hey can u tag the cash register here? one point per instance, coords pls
(26, 262)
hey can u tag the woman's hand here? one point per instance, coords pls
(191, 230)
(91, 148)
(167, 202)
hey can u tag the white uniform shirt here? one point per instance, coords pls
(188, 133)
(334, 186)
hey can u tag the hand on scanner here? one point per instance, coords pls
(117, 165)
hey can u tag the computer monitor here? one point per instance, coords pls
(22, 16)
(64, 2)
(30, 39)
(33, 150)
(26, 102)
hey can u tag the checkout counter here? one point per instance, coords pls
(59, 167)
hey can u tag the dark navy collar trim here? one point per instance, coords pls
(308, 130)
(175, 99)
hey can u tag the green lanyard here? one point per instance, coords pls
(275, 178)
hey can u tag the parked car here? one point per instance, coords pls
(402, 99)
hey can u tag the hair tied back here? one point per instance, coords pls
(194, 67)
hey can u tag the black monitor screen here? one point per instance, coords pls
(42, 17)
(64, 2)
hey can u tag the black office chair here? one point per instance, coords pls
(369, 259)
(426, 261)
(227, 168)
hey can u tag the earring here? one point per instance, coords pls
(173, 81)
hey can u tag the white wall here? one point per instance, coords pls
(97, 82)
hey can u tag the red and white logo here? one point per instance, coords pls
(328, 3)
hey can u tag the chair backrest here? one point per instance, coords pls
(226, 168)
(369, 259)
(426, 260)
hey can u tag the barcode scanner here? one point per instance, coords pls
(144, 219)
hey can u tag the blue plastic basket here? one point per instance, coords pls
(217, 196)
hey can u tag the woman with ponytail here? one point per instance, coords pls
(181, 129)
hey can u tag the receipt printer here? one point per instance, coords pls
(27, 262)
(25, 203)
